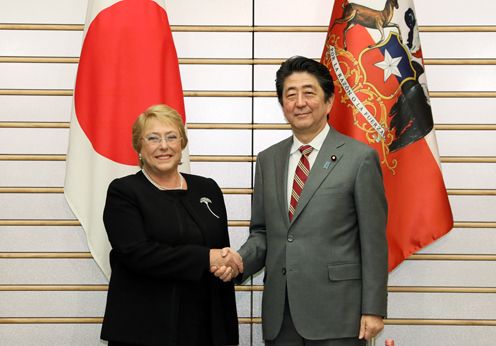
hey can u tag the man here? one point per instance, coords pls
(318, 223)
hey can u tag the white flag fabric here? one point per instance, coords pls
(128, 62)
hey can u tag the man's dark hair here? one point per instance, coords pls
(302, 64)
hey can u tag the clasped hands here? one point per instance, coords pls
(225, 263)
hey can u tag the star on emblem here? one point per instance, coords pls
(389, 65)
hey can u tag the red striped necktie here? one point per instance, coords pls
(300, 177)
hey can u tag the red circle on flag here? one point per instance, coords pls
(128, 62)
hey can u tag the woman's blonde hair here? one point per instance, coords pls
(164, 114)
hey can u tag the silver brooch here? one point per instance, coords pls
(207, 202)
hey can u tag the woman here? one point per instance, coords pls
(166, 229)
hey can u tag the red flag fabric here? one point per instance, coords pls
(373, 53)
(128, 62)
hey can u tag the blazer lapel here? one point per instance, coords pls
(281, 162)
(192, 205)
(327, 158)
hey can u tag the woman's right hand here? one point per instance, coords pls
(225, 263)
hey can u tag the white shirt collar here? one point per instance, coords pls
(316, 143)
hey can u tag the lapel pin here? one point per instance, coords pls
(327, 164)
(207, 202)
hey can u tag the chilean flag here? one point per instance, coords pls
(128, 62)
(373, 52)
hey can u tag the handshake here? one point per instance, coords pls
(225, 263)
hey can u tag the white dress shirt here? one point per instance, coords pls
(295, 155)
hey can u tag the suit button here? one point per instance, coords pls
(290, 238)
(283, 271)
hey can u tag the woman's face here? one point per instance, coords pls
(161, 148)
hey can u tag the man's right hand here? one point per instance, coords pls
(225, 263)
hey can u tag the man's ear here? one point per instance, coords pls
(329, 103)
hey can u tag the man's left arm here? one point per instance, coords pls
(371, 209)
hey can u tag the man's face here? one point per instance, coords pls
(304, 104)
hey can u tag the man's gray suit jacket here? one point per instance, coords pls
(332, 258)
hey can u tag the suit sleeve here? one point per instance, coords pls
(125, 230)
(371, 207)
(254, 249)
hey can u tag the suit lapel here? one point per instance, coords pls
(281, 162)
(328, 157)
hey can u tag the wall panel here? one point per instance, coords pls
(51, 334)
(292, 12)
(470, 176)
(466, 143)
(460, 78)
(47, 12)
(35, 108)
(34, 206)
(40, 43)
(237, 236)
(438, 335)
(53, 304)
(216, 77)
(218, 109)
(469, 45)
(286, 44)
(453, 12)
(37, 76)
(33, 141)
(219, 12)
(267, 110)
(464, 241)
(48, 173)
(43, 239)
(265, 138)
(226, 174)
(265, 77)
(225, 45)
(442, 306)
(473, 208)
(464, 110)
(213, 142)
(50, 272)
(238, 206)
(444, 273)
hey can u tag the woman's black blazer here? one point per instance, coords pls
(150, 261)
